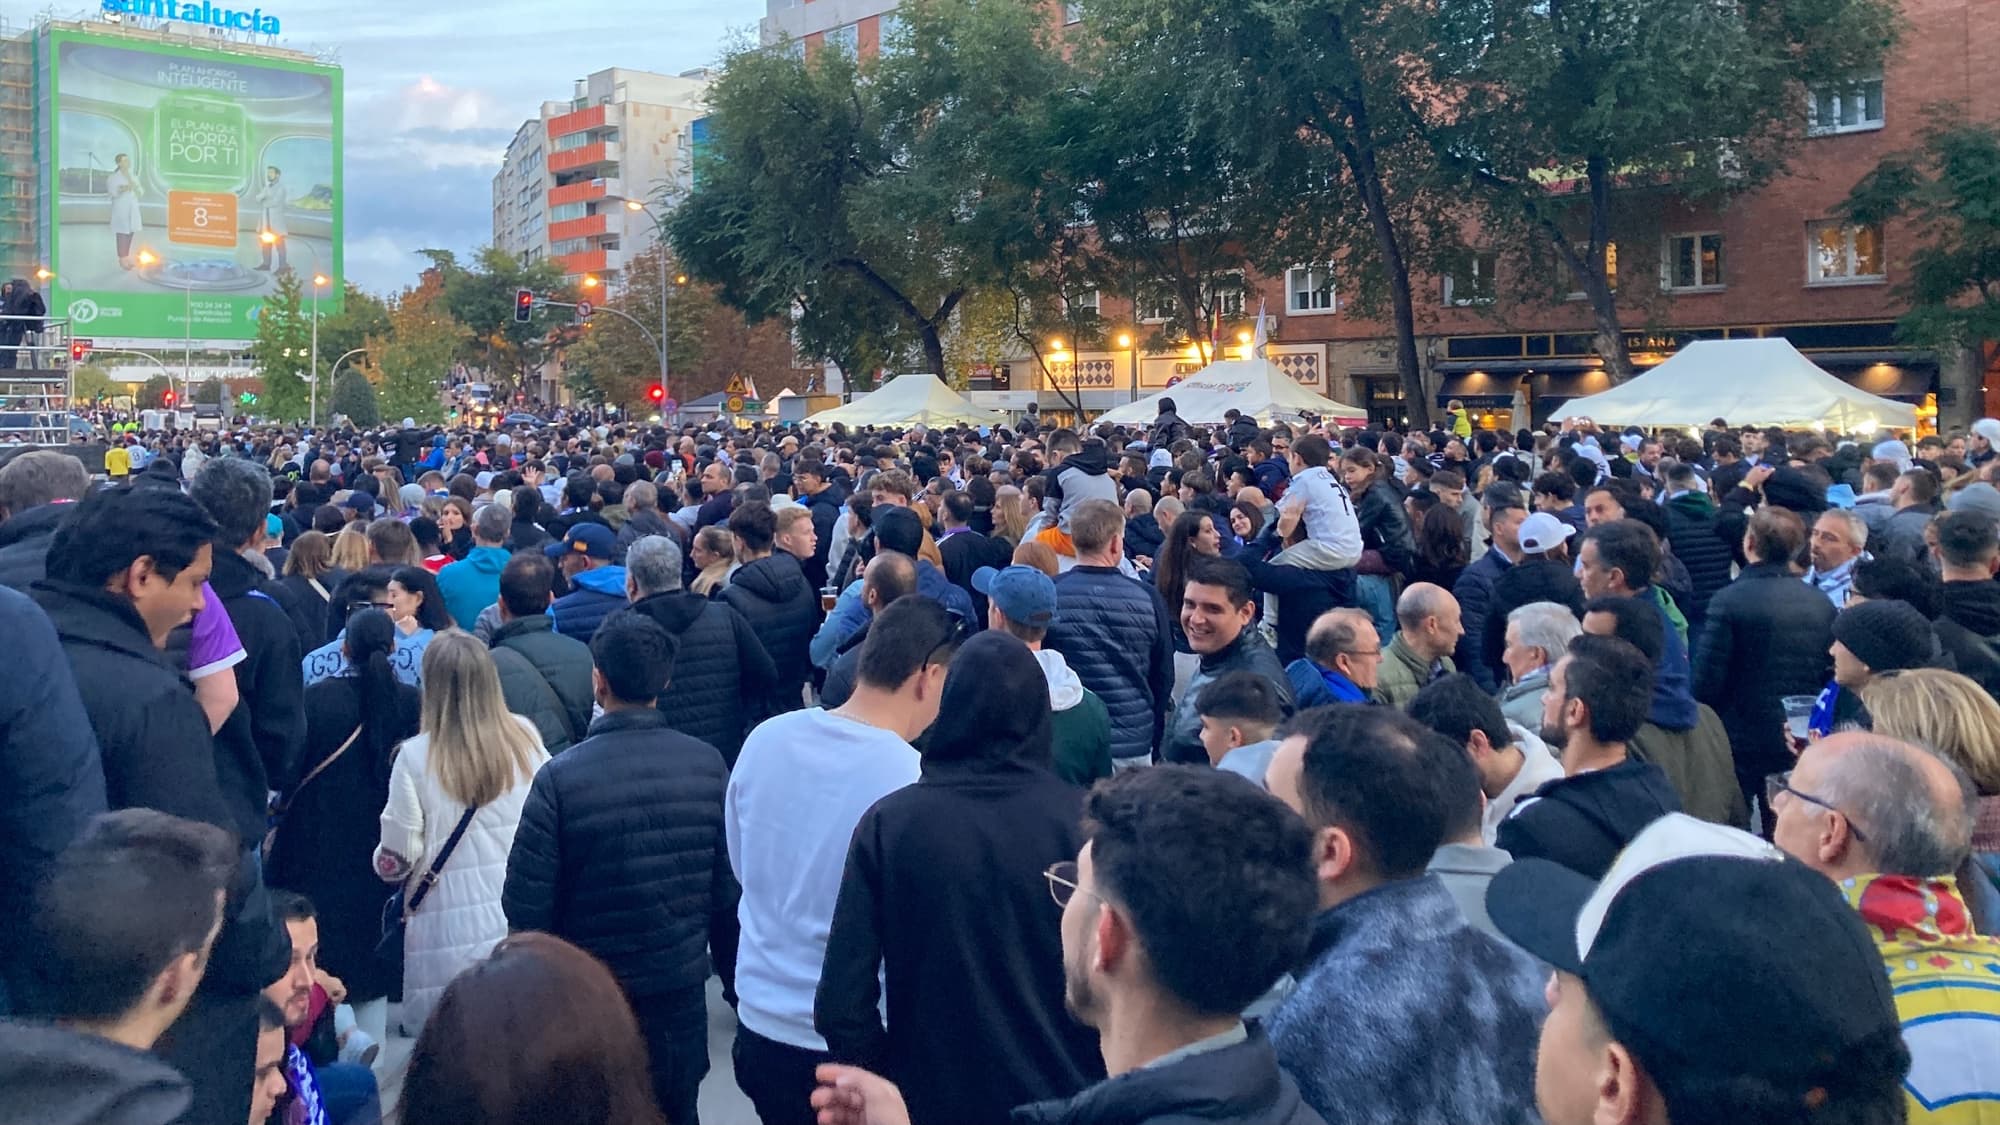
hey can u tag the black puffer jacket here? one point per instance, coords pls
(257, 749)
(562, 664)
(621, 851)
(1535, 578)
(1385, 528)
(1691, 529)
(1241, 1084)
(1116, 635)
(24, 544)
(782, 608)
(1767, 637)
(721, 663)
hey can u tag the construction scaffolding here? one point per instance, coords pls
(18, 167)
(37, 385)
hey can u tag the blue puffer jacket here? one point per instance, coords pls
(593, 596)
(1114, 632)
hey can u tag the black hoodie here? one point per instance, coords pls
(1585, 820)
(944, 895)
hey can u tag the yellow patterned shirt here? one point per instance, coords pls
(1946, 980)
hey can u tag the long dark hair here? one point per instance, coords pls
(539, 1033)
(431, 614)
(1170, 569)
(1441, 538)
(370, 643)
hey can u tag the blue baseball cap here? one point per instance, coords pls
(1023, 593)
(590, 539)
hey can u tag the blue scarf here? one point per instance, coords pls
(1344, 690)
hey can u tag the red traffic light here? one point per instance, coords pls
(524, 304)
(168, 398)
(656, 392)
(78, 349)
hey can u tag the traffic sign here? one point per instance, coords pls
(584, 309)
(670, 407)
(733, 404)
(738, 387)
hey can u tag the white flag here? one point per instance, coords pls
(1263, 336)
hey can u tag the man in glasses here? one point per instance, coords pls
(1191, 895)
(1890, 823)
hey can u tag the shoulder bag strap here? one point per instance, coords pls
(319, 589)
(321, 768)
(422, 890)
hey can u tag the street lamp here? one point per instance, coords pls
(320, 281)
(659, 252)
(1128, 345)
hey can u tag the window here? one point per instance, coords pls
(890, 30)
(1471, 283)
(1072, 12)
(570, 246)
(571, 140)
(1309, 289)
(564, 211)
(1157, 304)
(1692, 261)
(1226, 296)
(1082, 303)
(1838, 254)
(1844, 107)
(846, 38)
(1574, 288)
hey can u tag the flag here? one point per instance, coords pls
(1263, 337)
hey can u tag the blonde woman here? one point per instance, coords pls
(473, 761)
(1010, 515)
(1955, 717)
(714, 552)
(350, 548)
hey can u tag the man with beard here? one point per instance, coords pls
(335, 1092)
(1191, 895)
(1597, 700)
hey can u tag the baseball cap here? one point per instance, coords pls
(1023, 593)
(1975, 497)
(1542, 531)
(592, 539)
(359, 501)
(1709, 953)
(1988, 428)
(1892, 450)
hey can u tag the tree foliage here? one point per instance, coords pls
(153, 393)
(480, 297)
(1948, 192)
(91, 382)
(362, 314)
(1547, 111)
(282, 352)
(409, 365)
(354, 397)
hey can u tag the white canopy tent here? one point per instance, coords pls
(909, 400)
(1761, 382)
(1257, 387)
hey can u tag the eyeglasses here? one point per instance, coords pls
(1777, 783)
(1063, 884)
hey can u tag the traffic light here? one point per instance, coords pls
(168, 398)
(524, 305)
(657, 393)
(78, 349)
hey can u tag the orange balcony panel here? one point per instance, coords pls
(592, 118)
(576, 228)
(580, 157)
(582, 191)
(589, 261)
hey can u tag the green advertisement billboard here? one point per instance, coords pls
(186, 181)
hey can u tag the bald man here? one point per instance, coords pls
(1890, 823)
(1428, 626)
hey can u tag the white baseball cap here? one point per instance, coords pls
(1541, 532)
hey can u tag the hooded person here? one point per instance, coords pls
(1084, 474)
(1021, 600)
(1167, 425)
(942, 903)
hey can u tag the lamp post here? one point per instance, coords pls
(659, 253)
(1130, 346)
(312, 415)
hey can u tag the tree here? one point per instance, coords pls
(616, 360)
(409, 365)
(354, 396)
(90, 382)
(1546, 111)
(866, 192)
(282, 352)
(362, 314)
(1948, 192)
(153, 394)
(481, 298)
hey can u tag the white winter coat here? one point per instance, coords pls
(460, 920)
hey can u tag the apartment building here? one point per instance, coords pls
(563, 186)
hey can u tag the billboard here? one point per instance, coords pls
(185, 181)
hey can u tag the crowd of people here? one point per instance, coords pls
(1275, 774)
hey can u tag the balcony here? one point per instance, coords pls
(584, 191)
(576, 228)
(577, 122)
(590, 261)
(584, 156)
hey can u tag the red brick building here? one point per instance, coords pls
(1767, 263)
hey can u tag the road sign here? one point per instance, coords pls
(738, 388)
(584, 309)
(733, 404)
(669, 407)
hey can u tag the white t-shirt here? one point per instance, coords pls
(1329, 515)
(798, 789)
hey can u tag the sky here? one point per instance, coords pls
(435, 91)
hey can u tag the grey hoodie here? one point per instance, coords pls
(53, 1076)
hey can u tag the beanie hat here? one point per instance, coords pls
(1792, 489)
(1888, 636)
